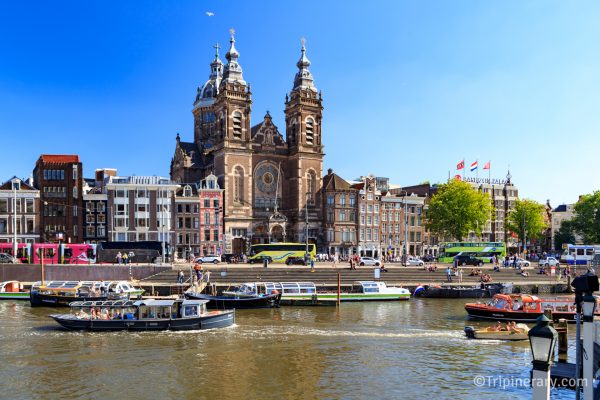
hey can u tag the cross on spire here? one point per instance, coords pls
(303, 41)
(232, 32)
(217, 47)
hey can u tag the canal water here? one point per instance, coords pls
(386, 350)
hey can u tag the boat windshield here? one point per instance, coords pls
(498, 303)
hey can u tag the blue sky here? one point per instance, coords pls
(410, 87)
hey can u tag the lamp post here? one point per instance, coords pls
(542, 339)
(589, 307)
(14, 186)
(162, 226)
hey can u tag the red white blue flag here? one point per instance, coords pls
(474, 166)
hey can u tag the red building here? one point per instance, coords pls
(211, 217)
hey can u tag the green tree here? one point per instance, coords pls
(565, 234)
(587, 218)
(458, 209)
(527, 219)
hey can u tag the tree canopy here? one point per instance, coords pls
(458, 209)
(587, 218)
(565, 234)
(527, 219)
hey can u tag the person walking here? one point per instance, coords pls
(180, 278)
(449, 274)
(460, 274)
(119, 258)
(125, 258)
(335, 260)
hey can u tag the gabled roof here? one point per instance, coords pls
(191, 150)
(59, 158)
(561, 208)
(24, 185)
(266, 133)
(333, 181)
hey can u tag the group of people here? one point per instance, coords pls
(125, 258)
(100, 314)
(510, 326)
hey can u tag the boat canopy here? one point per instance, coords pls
(290, 287)
(154, 303)
(102, 303)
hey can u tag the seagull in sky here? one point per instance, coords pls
(210, 14)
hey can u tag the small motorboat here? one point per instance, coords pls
(245, 296)
(460, 292)
(492, 334)
(143, 315)
(13, 290)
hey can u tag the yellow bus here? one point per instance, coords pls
(279, 252)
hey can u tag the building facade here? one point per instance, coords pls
(19, 212)
(340, 210)
(211, 218)
(140, 208)
(271, 181)
(59, 180)
(186, 209)
(369, 200)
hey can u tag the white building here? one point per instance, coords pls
(19, 212)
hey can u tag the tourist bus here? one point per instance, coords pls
(579, 254)
(279, 252)
(23, 251)
(482, 250)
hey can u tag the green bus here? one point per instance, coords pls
(279, 252)
(482, 250)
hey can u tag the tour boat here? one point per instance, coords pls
(454, 292)
(296, 293)
(245, 296)
(369, 291)
(523, 308)
(143, 315)
(492, 334)
(61, 293)
(13, 290)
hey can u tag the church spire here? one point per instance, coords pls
(233, 70)
(303, 79)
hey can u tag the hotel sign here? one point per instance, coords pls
(490, 181)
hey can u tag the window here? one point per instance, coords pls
(75, 173)
(3, 205)
(206, 218)
(142, 222)
(342, 215)
(101, 231)
(90, 231)
(237, 125)
(238, 185)
(187, 191)
(89, 206)
(311, 186)
(362, 208)
(362, 219)
(362, 234)
(370, 196)
(121, 209)
(376, 220)
(369, 220)
(16, 185)
(196, 208)
(75, 230)
(330, 200)
(352, 200)
(330, 235)
(384, 216)
(206, 203)
(368, 234)
(376, 208)
(330, 216)
(370, 207)
(215, 203)
(375, 235)
(207, 235)
(29, 223)
(3, 225)
(343, 200)
(196, 223)
(121, 193)
(141, 193)
(89, 219)
(310, 130)
(101, 219)
(101, 207)
(75, 208)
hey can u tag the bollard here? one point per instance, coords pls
(563, 339)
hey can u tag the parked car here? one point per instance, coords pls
(414, 261)
(7, 259)
(428, 258)
(523, 263)
(369, 261)
(259, 259)
(209, 259)
(549, 262)
(468, 260)
(295, 261)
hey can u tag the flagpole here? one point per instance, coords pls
(476, 170)
(490, 172)
(464, 167)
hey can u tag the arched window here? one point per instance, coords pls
(238, 185)
(311, 186)
(293, 132)
(310, 130)
(237, 125)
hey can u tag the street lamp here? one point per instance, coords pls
(589, 306)
(542, 339)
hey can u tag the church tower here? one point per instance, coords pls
(303, 116)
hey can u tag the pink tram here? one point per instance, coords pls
(23, 251)
(53, 253)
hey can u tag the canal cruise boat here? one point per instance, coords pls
(523, 308)
(143, 315)
(61, 293)
(245, 296)
(13, 290)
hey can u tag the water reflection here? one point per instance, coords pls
(369, 350)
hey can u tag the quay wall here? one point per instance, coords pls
(59, 272)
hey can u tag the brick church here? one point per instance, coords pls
(272, 182)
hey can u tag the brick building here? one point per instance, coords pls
(186, 209)
(19, 212)
(271, 181)
(339, 210)
(59, 180)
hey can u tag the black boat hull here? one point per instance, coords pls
(460, 293)
(46, 300)
(229, 302)
(502, 315)
(209, 321)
